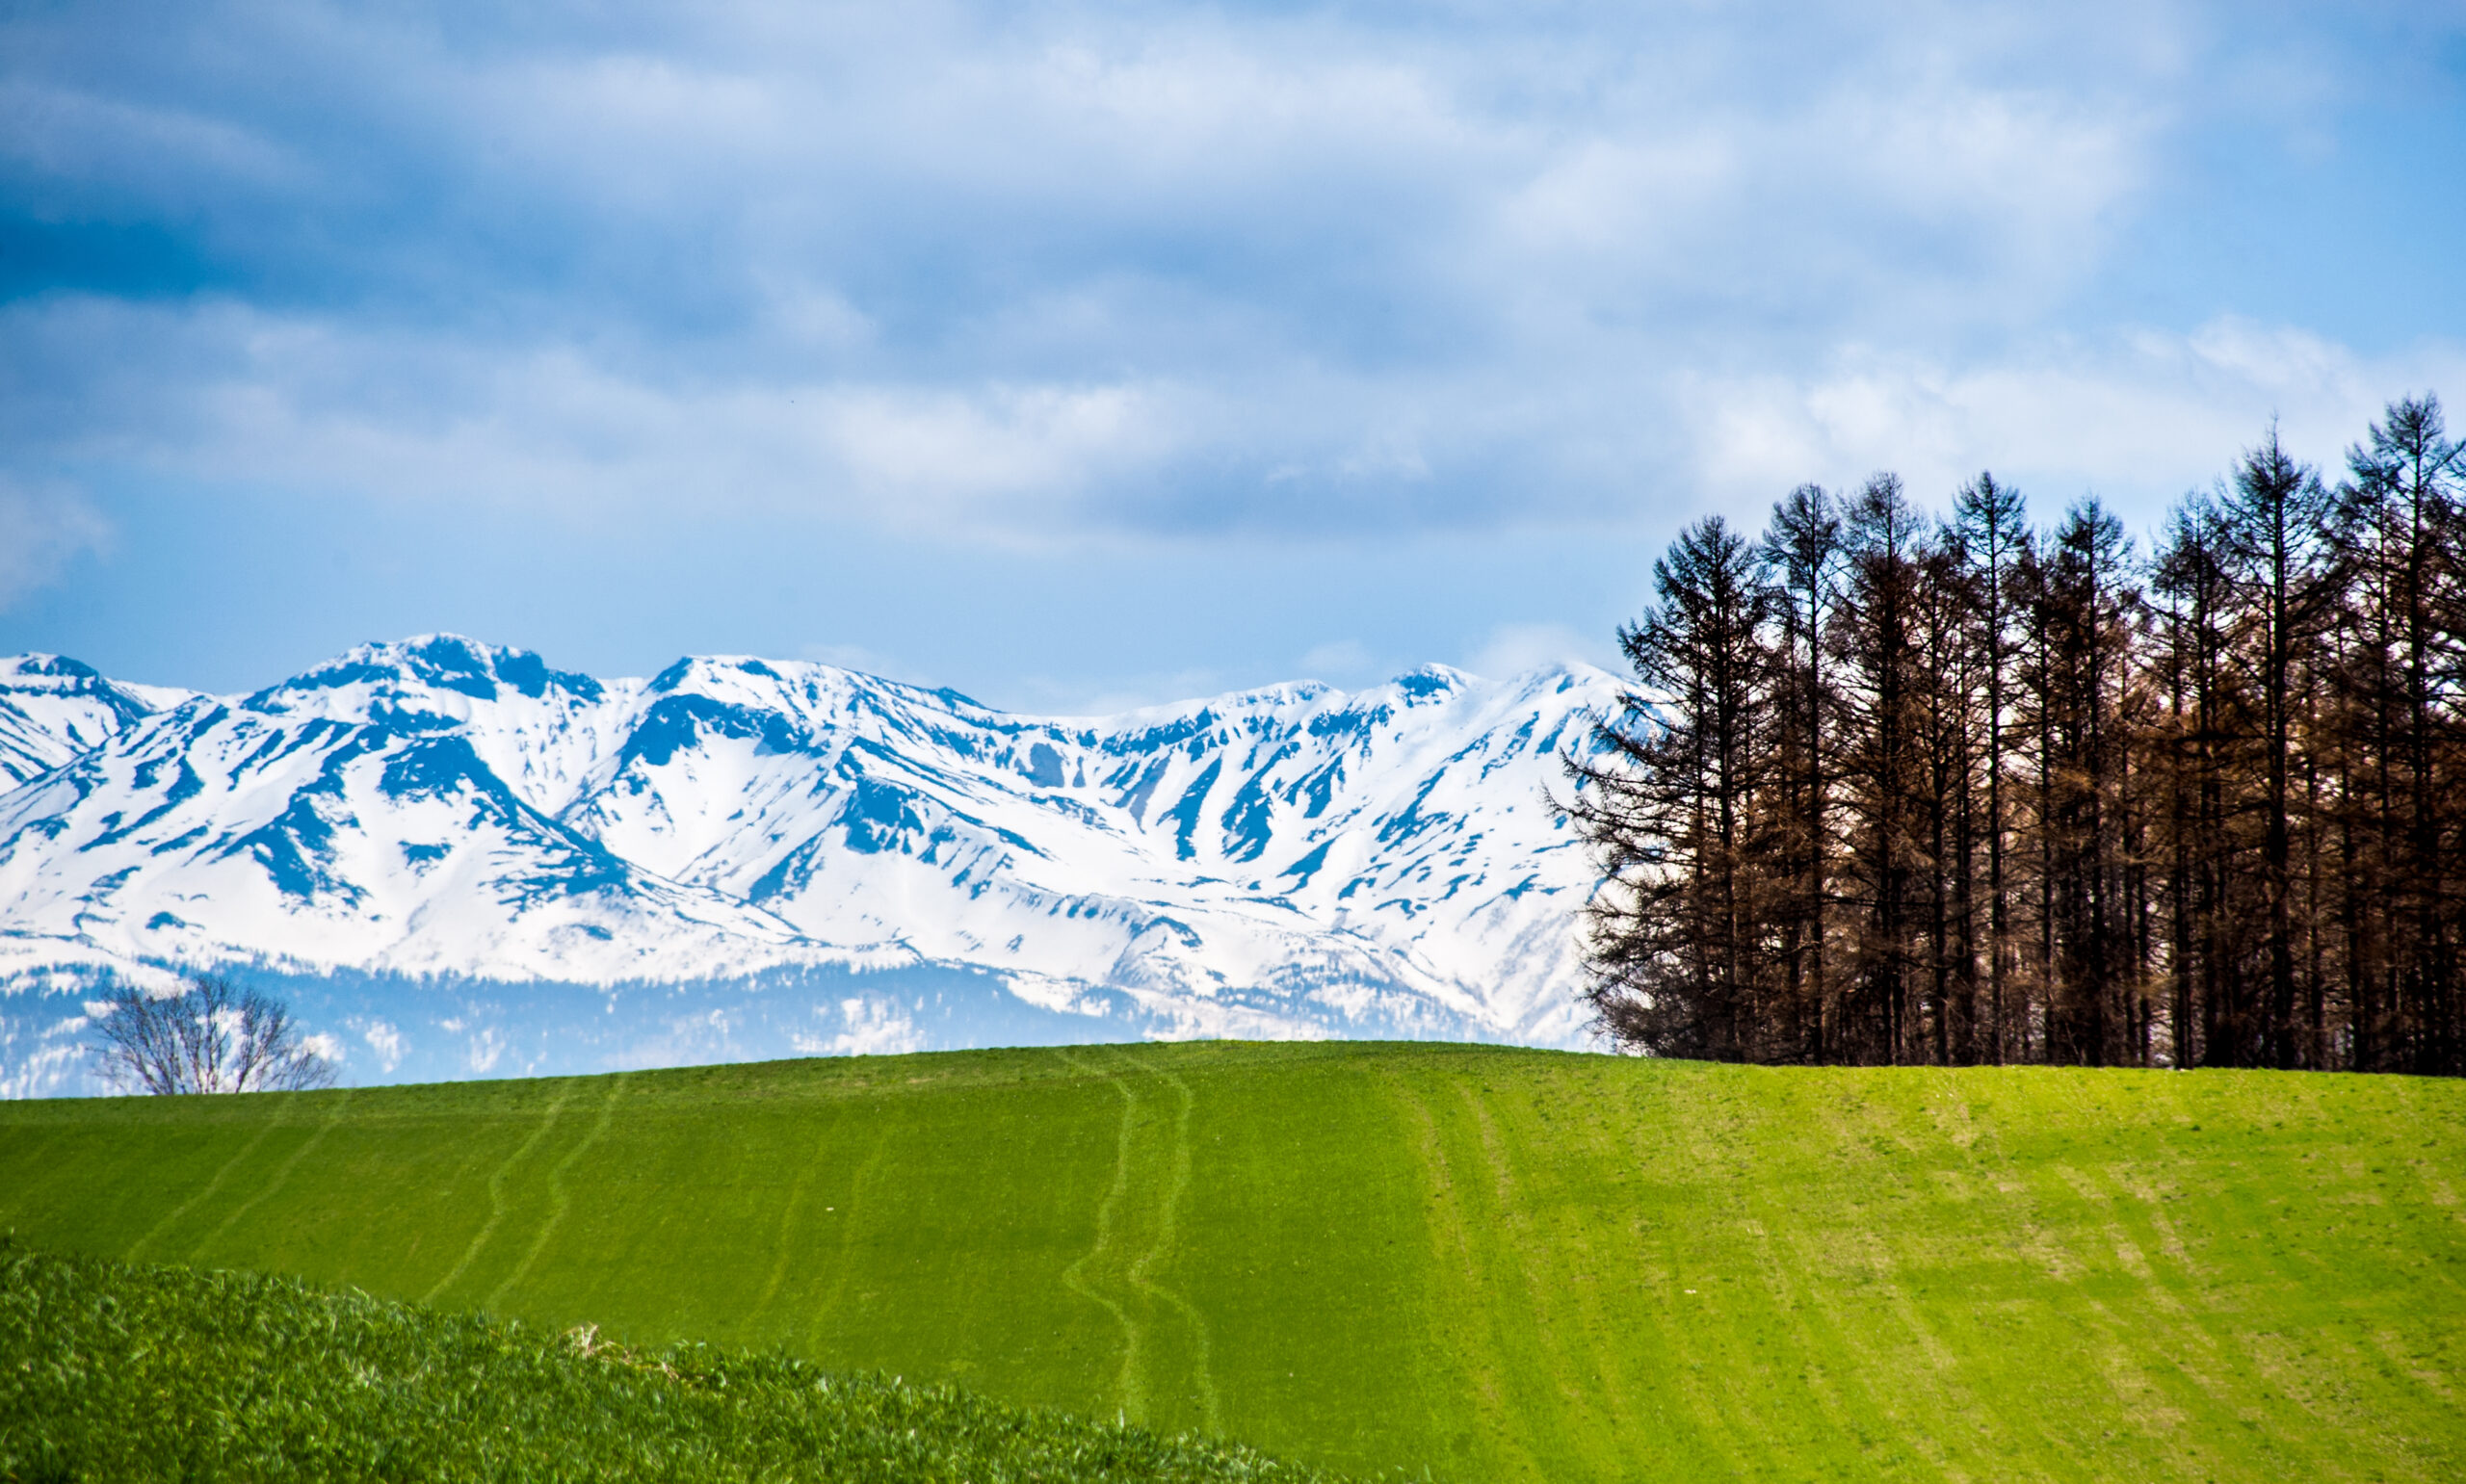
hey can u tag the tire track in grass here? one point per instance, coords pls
(280, 1176)
(2027, 1235)
(1532, 1142)
(788, 1217)
(1202, 1375)
(1857, 1321)
(211, 1186)
(1635, 1134)
(496, 1194)
(2131, 1219)
(1929, 1377)
(557, 1198)
(1471, 1347)
(847, 1232)
(1802, 1274)
(24, 1170)
(1130, 1390)
(1513, 1260)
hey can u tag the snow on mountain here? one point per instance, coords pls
(1294, 860)
(53, 709)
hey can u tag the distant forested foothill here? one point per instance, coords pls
(1895, 789)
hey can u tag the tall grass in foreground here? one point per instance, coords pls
(110, 1371)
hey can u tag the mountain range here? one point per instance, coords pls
(461, 860)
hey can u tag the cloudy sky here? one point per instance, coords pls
(1080, 356)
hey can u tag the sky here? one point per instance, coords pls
(1087, 356)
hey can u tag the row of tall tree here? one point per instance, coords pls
(1893, 789)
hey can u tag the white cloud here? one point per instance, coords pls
(49, 527)
(925, 454)
(864, 662)
(2135, 418)
(2136, 415)
(386, 1042)
(1043, 273)
(1109, 695)
(1044, 277)
(91, 137)
(873, 1028)
(1515, 648)
(1337, 661)
(319, 405)
(486, 1049)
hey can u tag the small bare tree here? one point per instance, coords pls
(212, 1036)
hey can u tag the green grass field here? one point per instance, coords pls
(1490, 1265)
(133, 1374)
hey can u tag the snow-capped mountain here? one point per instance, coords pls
(1294, 860)
(53, 709)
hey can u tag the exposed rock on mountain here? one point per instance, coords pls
(1294, 860)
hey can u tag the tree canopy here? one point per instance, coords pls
(1893, 788)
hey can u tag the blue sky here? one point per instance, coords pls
(1083, 355)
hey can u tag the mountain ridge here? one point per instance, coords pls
(1290, 859)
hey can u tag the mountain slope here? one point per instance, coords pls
(1296, 859)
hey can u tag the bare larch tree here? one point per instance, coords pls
(211, 1036)
(1893, 788)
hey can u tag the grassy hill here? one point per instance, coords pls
(1485, 1264)
(136, 1374)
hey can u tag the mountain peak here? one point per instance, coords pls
(32, 671)
(434, 661)
(53, 708)
(1433, 679)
